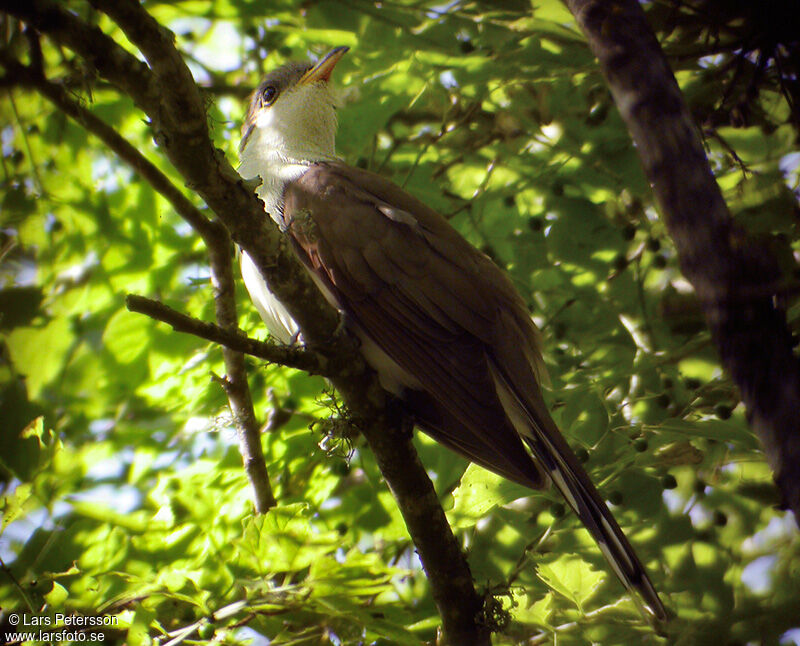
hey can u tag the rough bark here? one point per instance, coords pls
(164, 89)
(737, 282)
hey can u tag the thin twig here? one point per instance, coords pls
(236, 386)
(290, 356)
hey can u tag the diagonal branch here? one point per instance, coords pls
(187, 145)
(735, 280)
(59, 96)
(445, 565)
(217, 241)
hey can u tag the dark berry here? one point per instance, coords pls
(663, 400)
(653, 244)
(628, 232)
(669, 481)
(723, 411)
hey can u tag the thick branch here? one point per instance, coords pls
(125, 71)
(734, 279)
(188, 147)
(382, 424)
(217, 241)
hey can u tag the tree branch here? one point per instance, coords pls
(734, 279)
(290, 356)
(220, 252)
(59, 96)
(445, 565)
(125, 71)
(173, 110)
(217, 242)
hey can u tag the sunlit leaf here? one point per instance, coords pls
(572, 578)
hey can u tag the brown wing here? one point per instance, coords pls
(454, 323)
(428, 299)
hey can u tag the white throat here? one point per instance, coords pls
(297, 130)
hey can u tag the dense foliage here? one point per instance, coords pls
(123, 489)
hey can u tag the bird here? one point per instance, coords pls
(444, 327)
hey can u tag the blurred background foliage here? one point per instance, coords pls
(123, 491)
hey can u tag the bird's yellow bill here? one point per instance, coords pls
(322, 70)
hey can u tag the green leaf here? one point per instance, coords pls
(572, 578)
(125, 336)
(139, 630)
(479, 492)
(719, 430)
(57, 595)
(40, 353)
(584, 416)
(533, 612)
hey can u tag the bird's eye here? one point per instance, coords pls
(269, 94)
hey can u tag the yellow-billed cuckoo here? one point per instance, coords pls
(443, 327)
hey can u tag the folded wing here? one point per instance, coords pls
(446, 328)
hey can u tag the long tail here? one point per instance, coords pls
(532, 421)
(594, 514)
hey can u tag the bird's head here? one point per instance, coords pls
(292, 114)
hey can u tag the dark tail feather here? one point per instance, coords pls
(530, 417)
(596, 517)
